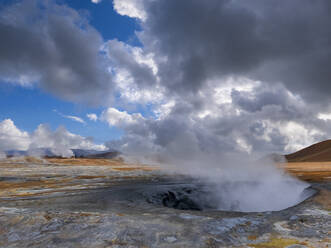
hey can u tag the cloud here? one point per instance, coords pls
(196, 41)
(135, 73)
(92, 117)
(96, 1)
(233, 77)
(324, 116)
(118, 118)
(252, 119)
(11, 137)
(60, 141)
(53, 46)
(131, 8)
(214, 75)
(75, 118)
(71, 117)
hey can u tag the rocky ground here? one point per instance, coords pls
(101, 203)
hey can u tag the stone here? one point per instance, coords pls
(294, 217)
(170, 239)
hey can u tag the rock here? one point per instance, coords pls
(170, 239)
(171, 200)
(294, 217)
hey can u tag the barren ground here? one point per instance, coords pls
(68, 203)
(309, 171)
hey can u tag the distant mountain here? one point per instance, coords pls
(106, 155)
(43, 152)
(319, 152)
(81, 153)
(15, 153)
(78, 153)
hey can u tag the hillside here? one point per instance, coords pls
(80, 153)
(77, 153)
(319, 152)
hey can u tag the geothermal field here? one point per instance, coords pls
(165, 123)
(97, 202)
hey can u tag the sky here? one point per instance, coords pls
(157, 77)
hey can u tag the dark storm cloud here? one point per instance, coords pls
(51, 44)
(276, 41)
(202, 39)
(263, 97)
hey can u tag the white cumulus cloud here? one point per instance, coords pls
(92, 117)
(118, 118)
(131, 8)
(11, 137)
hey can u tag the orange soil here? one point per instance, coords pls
(116, 164)
(29, 184)
(84, 161)
(309, 171)
(56, 175)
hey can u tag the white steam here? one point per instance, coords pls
(43, 140)
(2, 155)
(235, 181)
(241, 184)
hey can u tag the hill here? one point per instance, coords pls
(77, 153)
(80, 153)
(103, 155)
(319, 152)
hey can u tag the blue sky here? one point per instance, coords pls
(103, 17)
(30, 106)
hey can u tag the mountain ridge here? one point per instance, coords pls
(77, 153)
(318, 152)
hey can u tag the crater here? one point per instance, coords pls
(136, 196)
(203, 197)
(183, 197)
